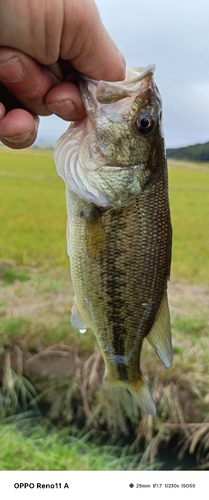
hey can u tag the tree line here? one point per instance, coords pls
(197, 152)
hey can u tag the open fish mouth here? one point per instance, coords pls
(133, 76)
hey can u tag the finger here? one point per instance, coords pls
(8, 100)
(65, 101)
(18, 128)
(26, 80)
(93, 51)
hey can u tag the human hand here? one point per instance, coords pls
(42, 46)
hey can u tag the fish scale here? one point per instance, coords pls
(119, 239)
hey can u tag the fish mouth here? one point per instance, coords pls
(96, 94)
(133, 76)
(110, 92)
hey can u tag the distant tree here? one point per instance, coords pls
(198, 152)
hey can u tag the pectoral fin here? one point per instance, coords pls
(77, 320)
(159, 336)
(96, 239)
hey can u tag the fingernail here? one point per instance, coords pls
(11, 70)
(19, 139)
(2, 111)
(63, 108)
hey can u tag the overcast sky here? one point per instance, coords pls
(174, 35)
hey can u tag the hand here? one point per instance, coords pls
(42, 46)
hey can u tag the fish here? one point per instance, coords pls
(119, 233)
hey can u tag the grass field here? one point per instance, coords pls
(32, 209)
(44, 359)
(189, 200)
(37, 450)
(33, 214)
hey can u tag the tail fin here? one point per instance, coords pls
(140, 391)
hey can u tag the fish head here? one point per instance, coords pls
(117, 151)
(125, 117)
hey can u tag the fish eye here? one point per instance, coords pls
(144, 123)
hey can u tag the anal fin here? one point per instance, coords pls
(159, 336)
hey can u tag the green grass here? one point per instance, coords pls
(189, 195)
(13, 327)
(10, 274)
(32, 210)
(191, 343)
(58, 451)
(33, 214)
(28, 333)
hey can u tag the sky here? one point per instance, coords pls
(174, 35)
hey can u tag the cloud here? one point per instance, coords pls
(174, 35)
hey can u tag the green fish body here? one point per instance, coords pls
(119, 228)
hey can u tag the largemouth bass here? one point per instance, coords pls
(119, 228)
